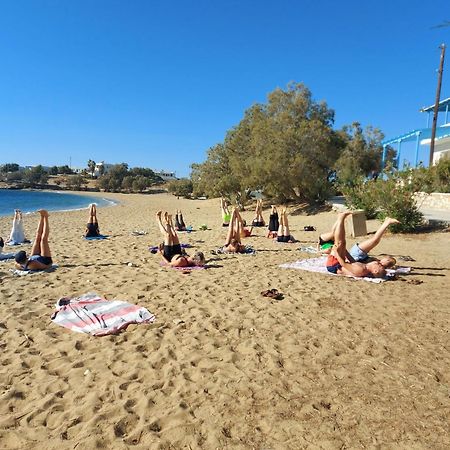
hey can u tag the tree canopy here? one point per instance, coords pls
(287, 148)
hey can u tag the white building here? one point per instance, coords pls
(165, 175)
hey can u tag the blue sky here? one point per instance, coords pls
(155, 83)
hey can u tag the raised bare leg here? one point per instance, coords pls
(45, 248)
(369, 244)
(339, 235)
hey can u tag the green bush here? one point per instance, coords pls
(361, 196)
(386, 198)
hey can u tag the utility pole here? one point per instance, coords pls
(436, 104)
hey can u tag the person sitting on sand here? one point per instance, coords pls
(17, 235)
(2, 244)
(92, 229)
(226, 216)
(233, 243)
(170, 250)
(274, 223)
(338, 263)
(284, 234)
(179, 222)
(360, 251)
(41, 257)
(258, 221)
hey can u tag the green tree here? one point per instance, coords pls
(53, 170)
(9, 167)
(285, 147)
(36, 175)
(181, 188)
(75, 182)
(91, 166)
(361, 154)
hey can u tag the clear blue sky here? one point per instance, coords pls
(156, 83)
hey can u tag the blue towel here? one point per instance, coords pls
(96, 238)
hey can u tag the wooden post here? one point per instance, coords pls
(436, 104)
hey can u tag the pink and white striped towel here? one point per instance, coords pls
(94, 315)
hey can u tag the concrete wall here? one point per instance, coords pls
(434, 200)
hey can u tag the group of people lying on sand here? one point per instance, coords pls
(355, 262)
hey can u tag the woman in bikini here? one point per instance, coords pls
(226, 216)
(41, 257)
(235, 232)
(92, 229)
(179, 222)
(284, 233)
(274, 223)
(170, 250)
(258, 221)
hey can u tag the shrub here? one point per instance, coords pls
(361, 196)
(182, 187)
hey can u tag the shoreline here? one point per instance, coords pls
(103, 198)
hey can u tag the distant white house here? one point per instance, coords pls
(165, 175)
(102, 168)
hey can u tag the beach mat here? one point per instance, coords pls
(97, 316)
(6, 256)
(21, 273)
(100, 237)
(318, 265)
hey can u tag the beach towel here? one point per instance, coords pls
(248, 250)
(154, 248)
(13, 243)
(4, 256)
(164, 264)
(318, 265)
(309, 249)
(20, 273)
(139, 233)
(97, 316)
(96, 238)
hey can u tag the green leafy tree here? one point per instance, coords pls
(36, 175)
(91, 166)
(75, 182)
(9, 167)
(285, 147)
(53, 170)
(140, 183)
(181, 188)
(65, 170)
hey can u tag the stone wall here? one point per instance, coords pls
(434, 200)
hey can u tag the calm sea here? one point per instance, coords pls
(29, 201)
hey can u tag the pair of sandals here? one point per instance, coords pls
(272, 293)
(309, 228)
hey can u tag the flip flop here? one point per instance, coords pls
(272, 293)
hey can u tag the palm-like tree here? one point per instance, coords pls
(91, 165)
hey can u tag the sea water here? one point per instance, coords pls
(29, 201)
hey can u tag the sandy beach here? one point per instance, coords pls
(336, 364)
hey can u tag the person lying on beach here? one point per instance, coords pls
(170, 250)
(179, 222)
(258, 221)
(338, 262)
(92, 229)
(284, 234)
(41, 257)
(360, 251)
(226, 216)
(233, 242)
(17, 235)
(274, 223)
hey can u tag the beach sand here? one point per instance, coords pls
(336, 364)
